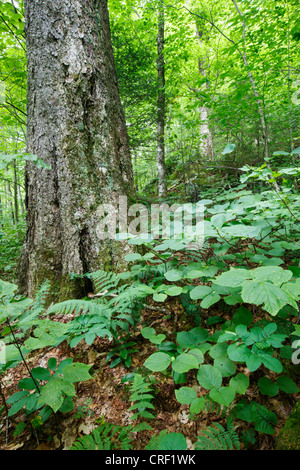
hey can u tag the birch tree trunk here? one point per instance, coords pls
(76, 125)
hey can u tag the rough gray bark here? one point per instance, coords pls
(75, 124)
(161, 102)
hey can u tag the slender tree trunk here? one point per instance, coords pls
(206, 144)
(16, 202)
(10, 204)
(76, 125)
(161, 102)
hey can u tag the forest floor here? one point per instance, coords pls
(106, 397)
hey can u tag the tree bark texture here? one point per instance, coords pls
(76, 125)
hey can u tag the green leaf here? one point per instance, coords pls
(219, 351)
(76, 372)
(185, 362)
(27, 384)
(190, 339)
(209, 377)
(158, 361)
(287, 385)
(267, 387)
(264, 420)
(239, 383)
(157, 339)
(159, 297)
(133, 257)
(198, 354)
(52, 363)
(223, 396)
(271, 362)
(41, 373)
(234, 277)
(173, 275)
(238, 352)
(271, 297)
(17, 406)
(226, 366)
(172, 441)
(209, 300)
(197, 405)
(185, 395)
(53, 392)
(200, 292)
(147, 332)
(253, 362)
(173, 290)
(274, 274)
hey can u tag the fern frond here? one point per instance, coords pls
(154, 442)
(104, 281)
(216, 437)
(78, 307)
(105, 437)
(141, 394)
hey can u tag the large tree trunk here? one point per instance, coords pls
(76, 125)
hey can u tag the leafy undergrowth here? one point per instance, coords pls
(106, 397)
(190, 348)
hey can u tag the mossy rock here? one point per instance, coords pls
(289, 436)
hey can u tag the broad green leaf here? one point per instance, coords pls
(264, 293)
(133, 257)
(159, 297)
(173, 275)
(185, 395)
(158, 361)
(147, 332)
(17, 406)
(287, 385)
(52, 394)
(197, 405)
(52, 363)
(198, 354)
(274, 274)
(209, 300)
(173, 290)
(185, 362)
(76, 372)
(234, 277)
(172, 441)
(223, 396)
(209, 376)
(239, 383)
(267, 387)
(219, 351)
(41, 373)
(200, 292)
(226, 366)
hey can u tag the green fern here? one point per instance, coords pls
(141, 394)
(216, 437)
(105, 437)
(154, 442)
(104, 282)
